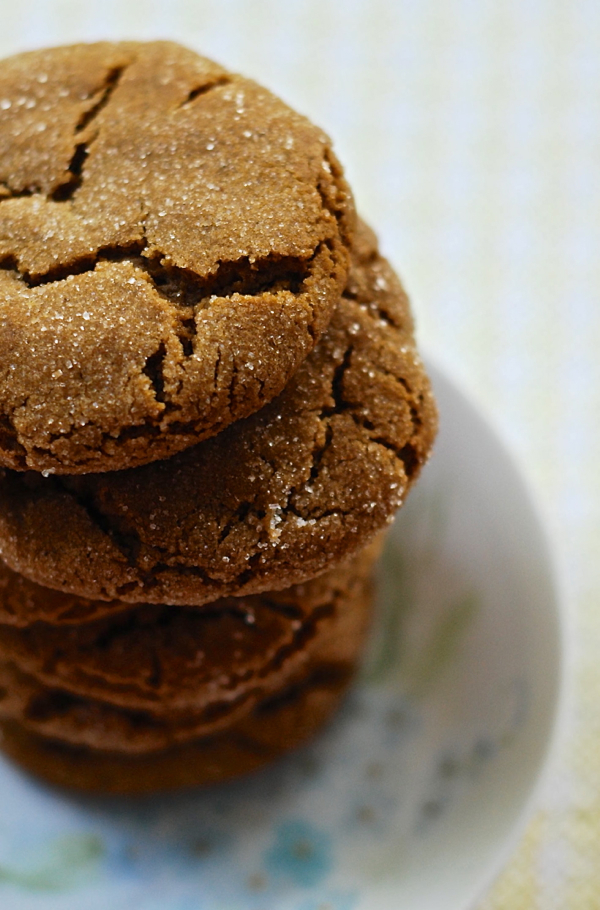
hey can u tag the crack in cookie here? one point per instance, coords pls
(204, 88)
(67, 190)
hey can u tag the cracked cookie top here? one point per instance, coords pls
(173, 240)
(273, 500)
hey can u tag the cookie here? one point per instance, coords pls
(173, 240)
(164, 659)
(58, 714)
(274, 728)
(272, 500)
(24, 603)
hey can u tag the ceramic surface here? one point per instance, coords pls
(412, 795)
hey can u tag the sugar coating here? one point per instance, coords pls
(271, 501)
(173, 239)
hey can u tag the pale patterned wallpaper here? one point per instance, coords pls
(470, 130)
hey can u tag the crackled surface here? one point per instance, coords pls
(326, 643)
(165, 658)
(269, 502)
(272, 728)
(173, 240)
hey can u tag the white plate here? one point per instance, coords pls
(413, 795)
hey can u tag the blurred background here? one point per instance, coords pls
(470, 132)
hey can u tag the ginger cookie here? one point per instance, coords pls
(275, 727)
(164, 659)
(24, 603)
(59, 714)
(272, 500)
(173, 240)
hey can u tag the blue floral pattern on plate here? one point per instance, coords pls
(370, 814)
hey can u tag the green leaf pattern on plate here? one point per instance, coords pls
(68, 859)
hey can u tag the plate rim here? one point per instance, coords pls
(440, 372)
(550, 740)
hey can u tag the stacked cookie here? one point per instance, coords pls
(210, 406)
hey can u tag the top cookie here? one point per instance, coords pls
(173, 240)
